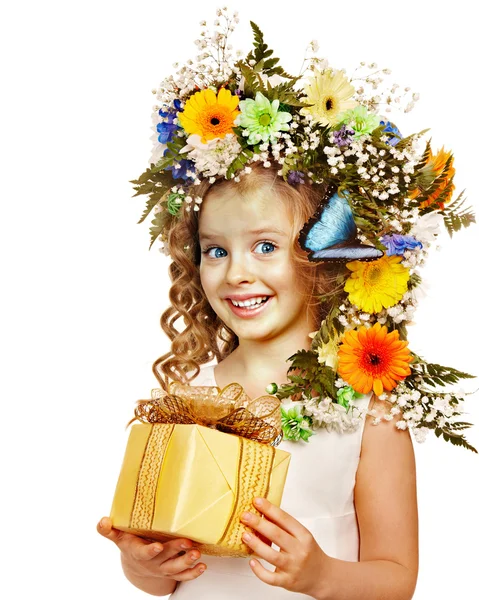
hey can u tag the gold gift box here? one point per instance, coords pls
(194, 481)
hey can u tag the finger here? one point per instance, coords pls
(139, 549)
(192, 573)
(130, 544)
(106, 529)
(174, 547)
(263, 550)
(178, 564)
(269, 577)
(270, 531)
(279, 516)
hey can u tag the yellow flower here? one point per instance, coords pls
(328, 354)
(209, 115)
(330, 95)
(378, 284)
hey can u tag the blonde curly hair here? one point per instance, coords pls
(205, 337)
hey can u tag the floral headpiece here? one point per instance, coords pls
(387, 196)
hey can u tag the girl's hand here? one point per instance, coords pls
(154, 559)
(300, 563)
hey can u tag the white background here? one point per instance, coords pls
(82, 295)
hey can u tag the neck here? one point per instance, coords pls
(267, 360)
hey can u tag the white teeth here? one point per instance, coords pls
(250, 302)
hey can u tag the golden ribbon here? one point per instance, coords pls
(229, 410)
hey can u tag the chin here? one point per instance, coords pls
(256, 331)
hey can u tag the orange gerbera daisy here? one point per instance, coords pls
(438, 165)
(373, 359)
(209, 115)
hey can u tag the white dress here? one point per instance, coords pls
(319, 492)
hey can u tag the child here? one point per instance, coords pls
(316, 526)
(347, 526)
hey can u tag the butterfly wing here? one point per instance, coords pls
(347, 253)
(330, 234)
(332, 224)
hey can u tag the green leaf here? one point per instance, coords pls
(239, 162)
(414, 280)
(260, 53)
(455, 439)
(435, 375)
(455, 216)
(150, 205)
(252, 81)
(156, 185)
(425, 156)
(312, 376)
(460, 425)
(330, 326)
(157, 225)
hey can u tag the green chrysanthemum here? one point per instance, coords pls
(262, 119)
(346, 394)
(295, 425)
(360, 121)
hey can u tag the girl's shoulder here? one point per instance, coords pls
(206, 376)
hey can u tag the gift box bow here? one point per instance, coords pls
(229, 410)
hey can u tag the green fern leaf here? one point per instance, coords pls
(455, 439)
(456, 216)
(150, 204)
(434, 374)
(157, 225)
(261, 52)
(239, 162)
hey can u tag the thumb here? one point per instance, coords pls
(105, 528)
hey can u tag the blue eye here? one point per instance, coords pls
(273, 246)
(220, 249)
(213, 248)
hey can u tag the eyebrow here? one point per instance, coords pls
(209, 236)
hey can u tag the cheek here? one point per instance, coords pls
(209, 282)
(204, 280)
(293, 286)
(282, 276)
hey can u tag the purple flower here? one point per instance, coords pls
(167, 128)
(388, 127)
(342, 137)
(295, 177)
(397, 244)
(179, 170)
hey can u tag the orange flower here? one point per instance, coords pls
(373, 359)
(436, 166)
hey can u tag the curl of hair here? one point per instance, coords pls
(204, 336)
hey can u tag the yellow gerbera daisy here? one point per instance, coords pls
(330, 95)
(209, 115)
(378, 284)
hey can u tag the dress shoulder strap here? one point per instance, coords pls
(205, 376)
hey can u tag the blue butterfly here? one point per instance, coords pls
(331, 234)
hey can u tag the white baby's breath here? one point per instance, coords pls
(332, 416)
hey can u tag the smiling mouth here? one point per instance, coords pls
(245, 311)
(263, 300)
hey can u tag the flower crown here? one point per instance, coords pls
(386, 199)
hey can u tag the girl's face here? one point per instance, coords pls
(245, 254)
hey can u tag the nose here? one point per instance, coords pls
(239, 270)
